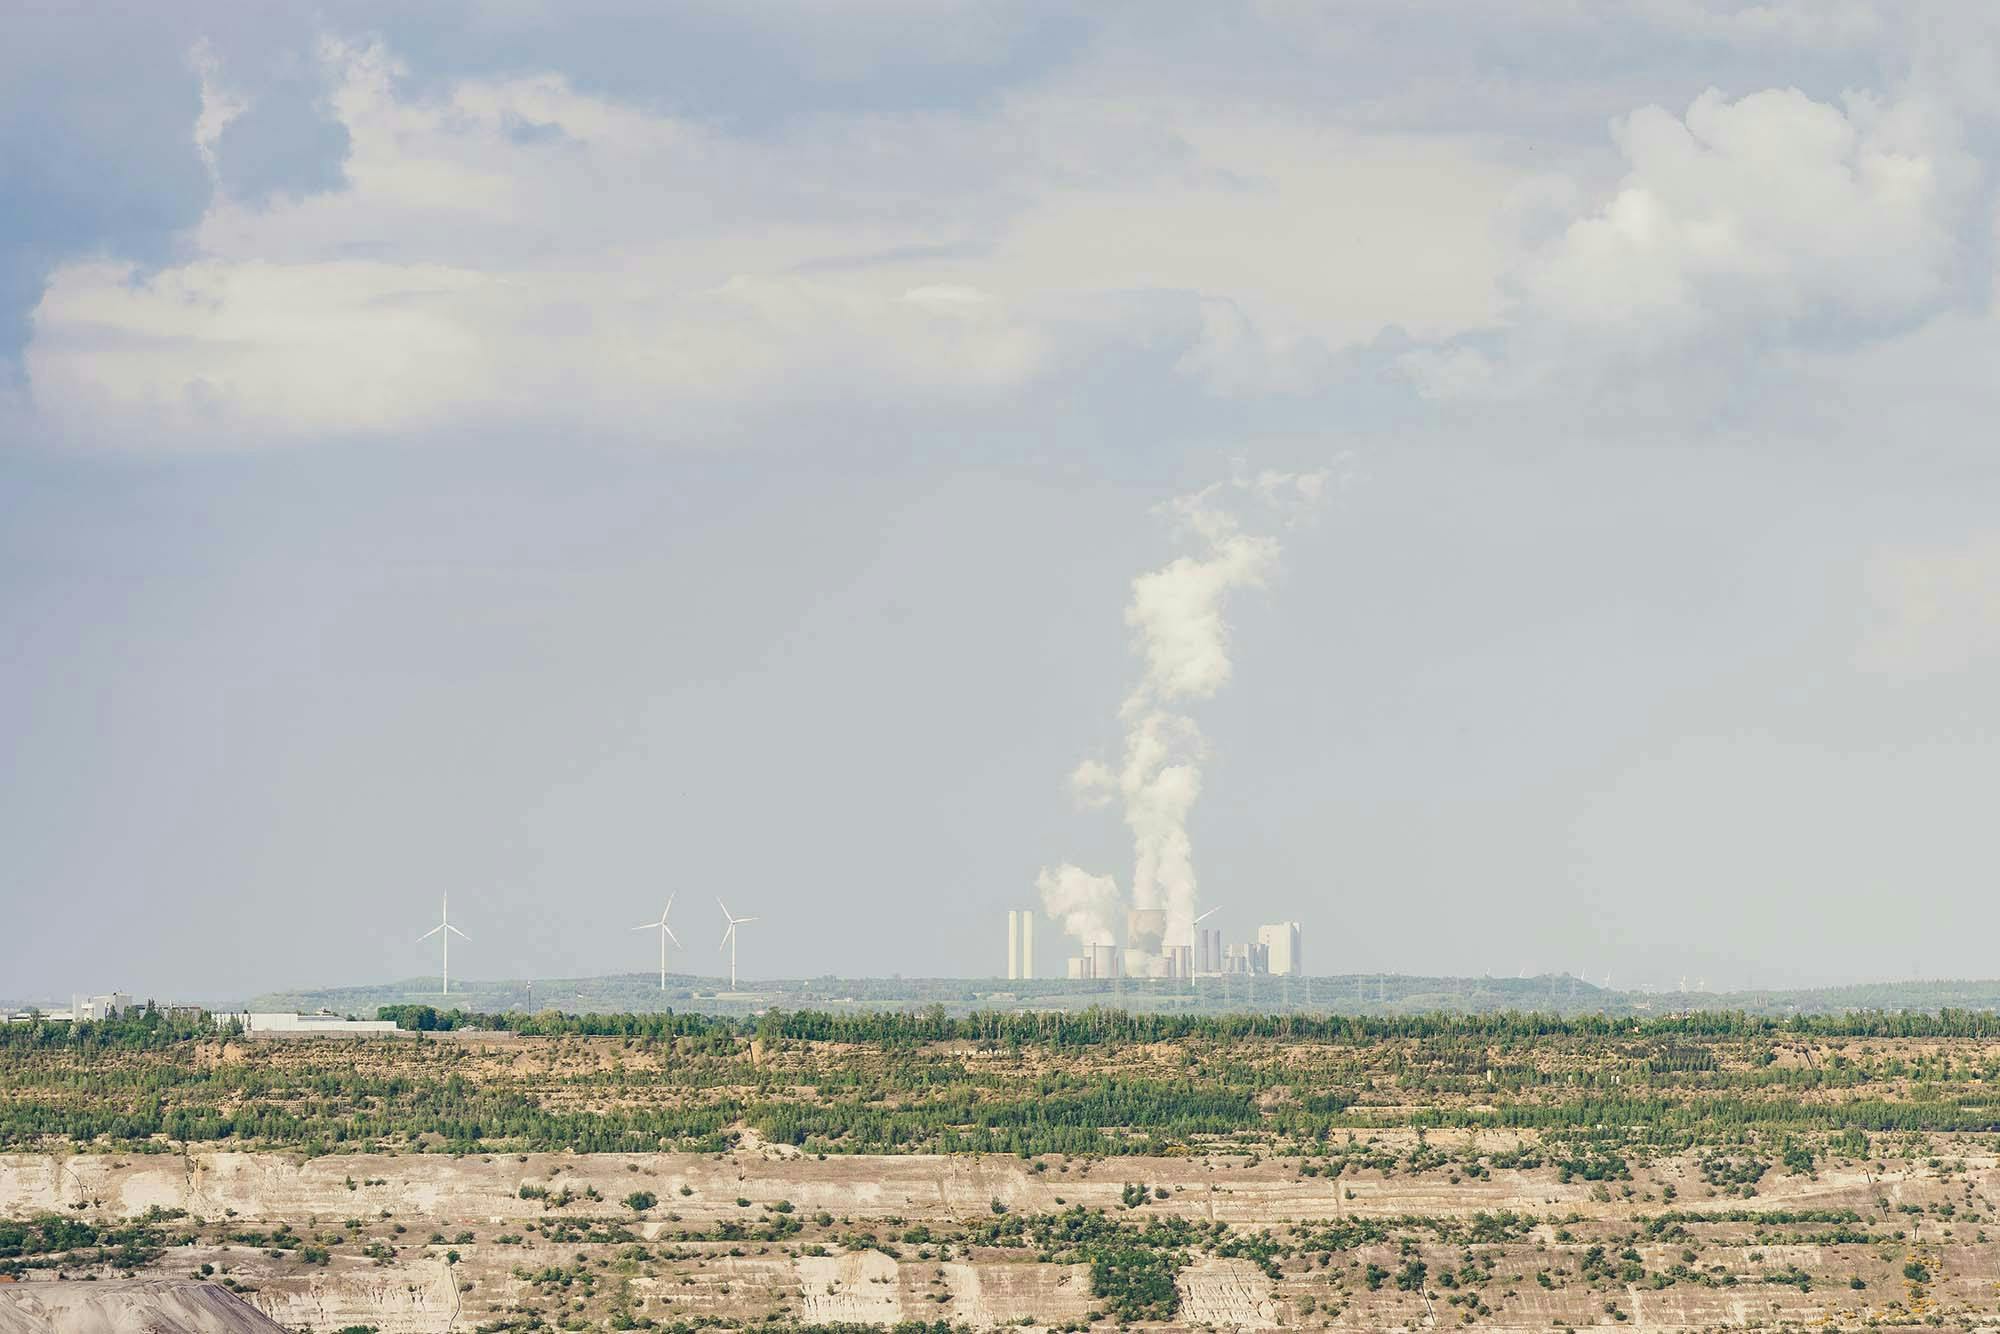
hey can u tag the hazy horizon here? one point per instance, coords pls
(1505, 487)
(1332, 993)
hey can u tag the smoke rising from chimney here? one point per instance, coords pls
(1182, 640)
(1082, 903)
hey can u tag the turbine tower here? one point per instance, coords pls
(444, 925)
(666, 934)
(729, 938)
(1199, 943)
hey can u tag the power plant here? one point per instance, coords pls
(1146, 952)
(1280, 943)
(1020, 944)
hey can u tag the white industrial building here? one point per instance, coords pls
(1276, 952)
(1020, 944)
(1280, 941)
(323, 1023)
(108, 1006)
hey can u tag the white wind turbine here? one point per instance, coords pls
(729, 938)
(666, 934)
(1195, 926)
(444, 925)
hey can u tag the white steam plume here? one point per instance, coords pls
(1083, 903)
(1182, 639)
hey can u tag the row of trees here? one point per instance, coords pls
(1096, 1027)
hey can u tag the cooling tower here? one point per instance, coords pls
(1146, 930)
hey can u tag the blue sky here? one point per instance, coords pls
(563, 454)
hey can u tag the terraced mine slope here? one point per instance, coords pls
(1513, 1176)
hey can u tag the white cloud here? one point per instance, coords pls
(1932, 611)
(1773, 207)
(1748, 242)
(517, 251)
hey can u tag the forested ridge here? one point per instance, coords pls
(1097, 1082)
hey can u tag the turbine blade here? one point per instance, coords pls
(433, 931)
(725, 936)
(456, 932)
(670, 935)
(725, 907)
(647, 926)
(741, 920)
(670, 901)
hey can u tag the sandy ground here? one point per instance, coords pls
(130, 1306)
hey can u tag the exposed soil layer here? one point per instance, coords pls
(128, 1306)
(418, 1243)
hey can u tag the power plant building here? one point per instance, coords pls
(1248, 959)
(1147, 954)
(99, 1008)
(1020, 944)
(322, 1024)
(1280, 942)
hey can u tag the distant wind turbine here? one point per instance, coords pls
(729, 938)
(1196, 923)
(666, 934)
(444, 925)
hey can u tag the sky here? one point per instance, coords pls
(1529, 467)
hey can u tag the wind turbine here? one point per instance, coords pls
(666, 934)
(444, 925)
(1195, 928)
(729, 938)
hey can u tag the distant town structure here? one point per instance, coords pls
(97, 1009)
(322, 1023)
(44, 1016)
(1280, 941)
(108, 1006)
(1020, 944)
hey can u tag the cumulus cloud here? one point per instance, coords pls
(517, 250)
(1770, 207)
(1772, 222)
(537, 250)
